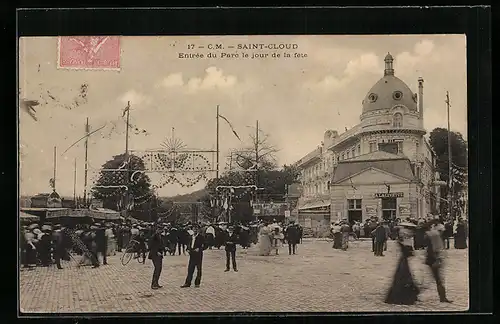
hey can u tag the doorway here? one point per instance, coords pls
(389, 206)
(355, 216)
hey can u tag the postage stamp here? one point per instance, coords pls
(89, 52)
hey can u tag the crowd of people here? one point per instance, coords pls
(47, 244)
(380, 231)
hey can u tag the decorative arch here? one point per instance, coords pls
(397, 119)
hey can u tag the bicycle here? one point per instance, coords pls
(130, 250)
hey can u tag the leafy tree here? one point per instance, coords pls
(459, 151)
(116, 172)
(273, 182)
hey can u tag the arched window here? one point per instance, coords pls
(397, 120)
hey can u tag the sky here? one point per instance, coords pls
(295, 100)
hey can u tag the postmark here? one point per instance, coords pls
(89, 52)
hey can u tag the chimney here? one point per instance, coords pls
(421, 97)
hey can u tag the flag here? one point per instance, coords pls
(52, 183)
(231, 126)
(126, 109)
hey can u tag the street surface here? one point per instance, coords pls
(317, 279)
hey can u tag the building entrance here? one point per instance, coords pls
(355, 216)
(354, 211)
(389, 206)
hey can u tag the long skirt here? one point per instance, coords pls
(264, 245)
(403, 290)
(111, 246)
(337, 240)
(345, 240)
(460, 241)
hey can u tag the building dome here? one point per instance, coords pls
(389, 91)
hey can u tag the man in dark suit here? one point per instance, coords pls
(156, 250)
(101, 241)
(231, 239)
(195, 248)
(58, 244)
(434, 257)
(380, 235)
(292, 237)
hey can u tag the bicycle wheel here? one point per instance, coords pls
(126, 257)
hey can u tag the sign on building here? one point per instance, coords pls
(389, 195)
(307, 223)
(287, 213)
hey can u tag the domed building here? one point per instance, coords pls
(383, 167)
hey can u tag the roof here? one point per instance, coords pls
(399, 167)
(383, 95)
(28, 209)
(377, 155)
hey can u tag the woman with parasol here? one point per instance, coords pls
(403, 290)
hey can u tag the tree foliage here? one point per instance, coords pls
(116, 172)
(459, 152)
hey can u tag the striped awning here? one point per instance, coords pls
(315, 205)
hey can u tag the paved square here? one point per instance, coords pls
(317, 279)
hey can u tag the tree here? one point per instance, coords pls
(273, 183)
(116, 172)
(259, 154)
(459, 151)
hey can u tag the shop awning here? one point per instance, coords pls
(27, 217)
(315, 204)
(100, 213)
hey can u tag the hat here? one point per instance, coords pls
(46, 228)
(33, 226)
(407, 224)
(57, 226)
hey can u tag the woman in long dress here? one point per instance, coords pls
(264, 241)
(460, 241)
(403, 290)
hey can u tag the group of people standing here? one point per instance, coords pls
(273, 234)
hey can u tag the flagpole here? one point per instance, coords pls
(74, 185)
(86, 163)
(216, 209)
(55, 166)
(125, 200)
(257, 157)
(450, 174)
(217, 145)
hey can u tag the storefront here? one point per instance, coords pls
(315, 214)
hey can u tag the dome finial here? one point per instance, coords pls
(389, 70)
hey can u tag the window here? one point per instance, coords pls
(400, 146)
(353, 152)
(389, 147)
(373, 147)
(354, 204)
(397, 95)
(359, 149)
(343, 156)
(389, 206)
(397, 120)
(348, 153)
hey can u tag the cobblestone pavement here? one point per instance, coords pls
(317, 279)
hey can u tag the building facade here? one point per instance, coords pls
(383, 167)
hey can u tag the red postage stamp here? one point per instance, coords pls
(89, 52)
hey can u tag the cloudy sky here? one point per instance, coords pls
(295, 100)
